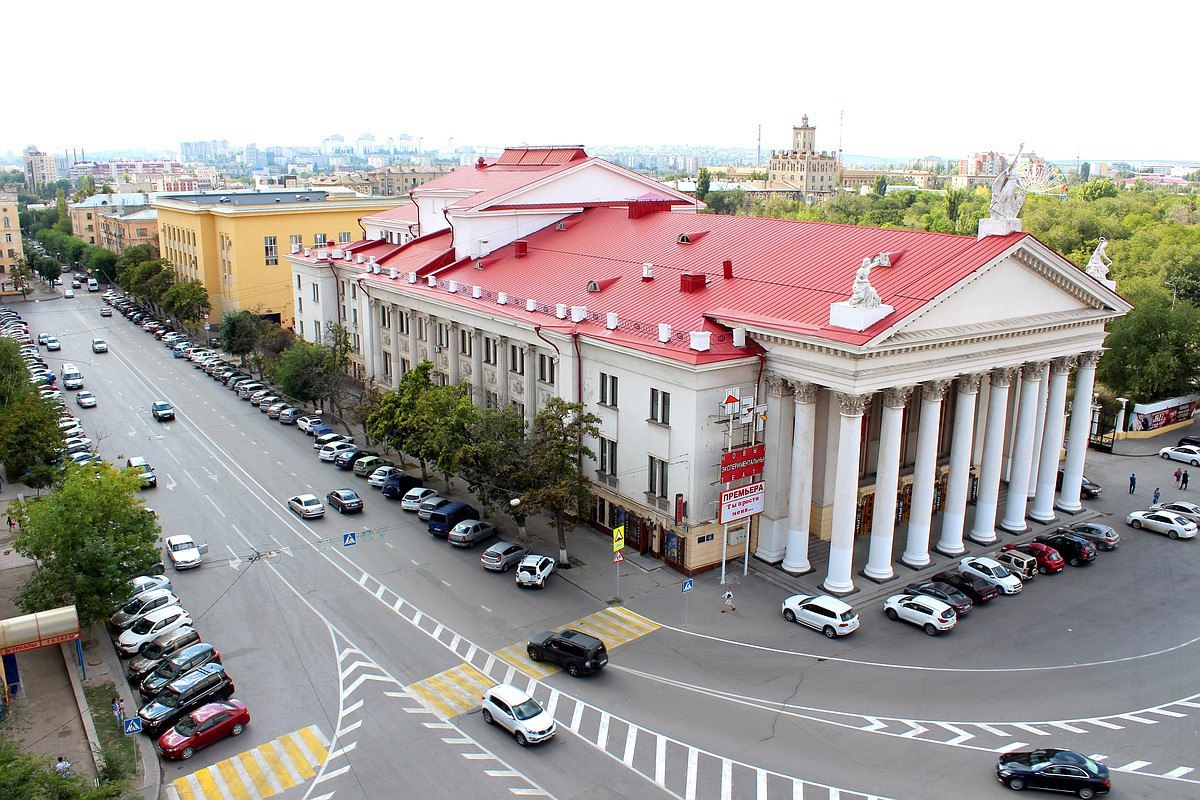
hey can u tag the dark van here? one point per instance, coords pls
(1193, 441)
(445, 518)
(398, 485)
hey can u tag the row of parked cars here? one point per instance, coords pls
(937, 604)
(184, 689)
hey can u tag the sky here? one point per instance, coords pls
(1099, 80)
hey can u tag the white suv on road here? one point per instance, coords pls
(928, 613)
(518, 713)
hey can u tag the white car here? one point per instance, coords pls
(74, 440)
(331, 451)
(1172, 525)
(52, 343)
(414, 497)
(379, 476)
(307, 505)
(184, 552)
(993, 572)
(71, 428)
(308, 422)
(330, 438)
(69, 294)
(151, 626)
(533, 571)
(1186, 453)
(1180, 508)
(99, 346)
(141, 604)
(86, 399)
(928, 613)
(143, 583)
(518, 713)
(821, 612)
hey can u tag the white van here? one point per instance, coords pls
(93, 285)
(72, 378)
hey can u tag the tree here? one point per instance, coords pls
(26, 776)
(273, 341)
(395, 421)
(187, 301)
(445, 414)
(703, 183)
(879, 186)
(1094, 190)
(301, 372)
(553, 479)
(239, 333)
(101, 263)
(29, 435)
(1154, 351)
(492, 461)
(1085, 172)
(88, 538)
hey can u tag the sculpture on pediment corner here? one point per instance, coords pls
(862, 293)
(1008, 192)
(1098, 264)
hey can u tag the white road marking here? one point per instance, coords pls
(1132, 766)
(1178, 772)
(1010, 747)
(214, 505)
(485, 608)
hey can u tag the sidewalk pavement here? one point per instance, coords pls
(1150, 446)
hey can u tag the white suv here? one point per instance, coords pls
(928, 613)
(518, 713)
(993, 572)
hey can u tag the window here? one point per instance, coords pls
(357, 343)
(300, 327)
(354, 317)
(443, 335)
(546, 367)
(299, 305)
(316, 293)
(608, 456)
(344, 237)
(490, 348)
(316, 330)
(297, 281)
(385, 321)
(466, 342)
(404, 366)
(353, 290)
(422, 329)
(657, 484)
(608, 390)
(491, 399)
(387, 364)
(401, 323)
(318, 240)
(8, 237)
(296, 241)
(520, 407)
(660, 406)
(516, 359)
(270, 251)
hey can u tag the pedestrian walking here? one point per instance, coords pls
(1157, 495)
(1132, 482)
(1183, 482)
(118, 707)
(728, 598)
(11, 524)
(62, 768)
(1178, 477)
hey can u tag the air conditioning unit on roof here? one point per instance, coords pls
(393, 273)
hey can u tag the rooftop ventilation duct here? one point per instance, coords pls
(521, 248)
(739, 337)
(531, 304)
(560, 311)
(393, 273)
(477, 292)
(700, 340)
(691, 283)
(578, 313)
(664, 332)
(453, 287)
(431, 281)
(610, 320)
(727, 269)
(412, 277)
(647, 271)
(501, 298)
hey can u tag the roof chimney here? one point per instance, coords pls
(431, 281)
(578, 313)
(691, 283)
(727, 269)
(412, 277)
(522, 248)
(560, 311)
(477, 292)
(664, 332)
(502, 298)
(739, 337)
(531, 304)
(700, 340)
(480, 164)
(647, 271)
(611, 321)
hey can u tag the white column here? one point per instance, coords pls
(984, 528)
(452, 348)
(838, 578)
(1039, 428)
(954, 511)
(1022, 457)
(530, 387)
(916, 548)
(1056, 404)
(477, 368)
(413, 359)
(503, 371)
(887, 478)
(1077, 440)
(773, 522)
(795, 559)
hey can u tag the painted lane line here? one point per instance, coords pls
(362, 679)
(1166, 713)
(214, 505)
(346, 672)
(630, 744)
(193, 480)
(917, 730)
(875, 724)
(726, 779)
(1136, 718)
(1030, 729)
(1064, 726)
(1132, 766)
(1178, 772)
(341, 751)
(479, 756)
(438, 725)
(353, 726)
(350, 709)
(1097, 757)
(576, 717)
(499, 773)
(689, 791)
(324, 776)
(1103, 724)
(961, 735)
(485, 608)
(1010, 747)
(602, 734)
(660, 759)
(457, 740)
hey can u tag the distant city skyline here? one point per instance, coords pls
(947, 81)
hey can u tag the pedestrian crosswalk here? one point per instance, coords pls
(453, 691)
(614, 626)
(261, 772)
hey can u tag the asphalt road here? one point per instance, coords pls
(377, 652)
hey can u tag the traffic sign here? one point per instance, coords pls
(349, 539)
(618, 557)
(132, 725)
(618, 538)
(688, 585)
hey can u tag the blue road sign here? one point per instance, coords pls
(688, 585)
(349, 539)
(132, 725)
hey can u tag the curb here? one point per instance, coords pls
(85, 714)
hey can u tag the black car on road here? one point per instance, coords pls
(202, 685)
(346, 501)
(973, 586)
(1074, 548)
(577, 652)
(1054, 770)
(397, 486)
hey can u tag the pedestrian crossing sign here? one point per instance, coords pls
(349, 539)
(131, 726)
(618, 538)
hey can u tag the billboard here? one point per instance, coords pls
(745, 462)
(741, 502)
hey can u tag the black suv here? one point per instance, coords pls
(1075, 549)
(202, 685)
(398, 485)
(577, 652)
(952, 597)
(177, 666)
(346, 460)
(154, 653)
(1192, 441)
(973, 586)
(1088, 489)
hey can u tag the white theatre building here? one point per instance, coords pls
(888, 431)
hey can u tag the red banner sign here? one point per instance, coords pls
(745, 462)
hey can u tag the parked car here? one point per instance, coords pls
(380, 475)
(1049, 560)
(414, 497)
(1087, 487)
(202, 685)
(184, 552)
(577, 652)
(331, 451)
(1180, 508)
(470, 532)
(346, 501)
(821, 612)
(307, 422)
(143, 469)
(993, 572)
(275, 410)
(443, 518)
(176, 666)
(307, 505)
(1056, 770)
(534, 570)
(952, 597)
(927, 613)
(207, 724)
(319, 430)
(430, 505)
(1023, 565)
(974, 587)
(161, 648)
(1103, 536)
(329, 438)
(501, 556)
(162, 411)
(346, 458)
(140, 605)
(288, 416)
(1172, 525)
(1075, 549)
(399, 485)
(1193, 441)
(518, 713)
(151, 626)
(367, 464)
(143, 583)
(1188, 454)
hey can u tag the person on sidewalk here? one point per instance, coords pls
(118, 707)
(62, 768)
(1157, 495)
(1183, 482)
(1132, 482)
(1178, 476)
(728, 598)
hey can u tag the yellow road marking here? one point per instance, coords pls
(207, 785)
(185, 791)
(252, 769)
(233, 781)
(517, 656)
(281, 773)
(453, 691)
(314, 744)
(297, 756)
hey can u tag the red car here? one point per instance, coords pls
(1049, 560)
(202, 727)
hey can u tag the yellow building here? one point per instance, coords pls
(233, 242)
(11, 252)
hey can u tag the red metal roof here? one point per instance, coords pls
(407, 212)
(537, 156)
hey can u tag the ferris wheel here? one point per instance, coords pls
(1041, 177)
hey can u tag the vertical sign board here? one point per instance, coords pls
(618, 538)
(745, 462)
(741, 502)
